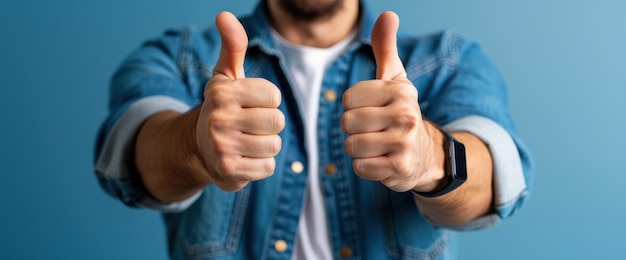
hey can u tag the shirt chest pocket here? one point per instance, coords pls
(408, 235)
(213, 226)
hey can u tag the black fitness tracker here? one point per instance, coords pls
(456, 168)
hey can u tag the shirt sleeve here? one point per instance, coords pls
(469, 94)
(115, 164)
(158, 76)
(509, 184)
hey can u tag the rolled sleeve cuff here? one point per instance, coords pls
(115, 165)
(508, 180)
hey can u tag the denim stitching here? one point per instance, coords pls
(241, 205)
(451, 43)
(424, 67)
(183, 56)
(449, 55)
(382, 198)
(433, 252)
(338, 136)
(394, 249)
(230, 245)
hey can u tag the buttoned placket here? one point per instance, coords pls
(335, 180)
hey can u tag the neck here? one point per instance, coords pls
(321, 33)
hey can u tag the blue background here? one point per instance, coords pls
(563, 59)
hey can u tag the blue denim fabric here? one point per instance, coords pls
(453, 76)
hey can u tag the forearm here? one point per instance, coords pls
(471, 200)
(166, 156)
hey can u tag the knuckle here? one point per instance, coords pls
(364, 169)
(269, 167)
(406, 119)
(346, 99)
(346, 119)
(411, 90)
(350, 144)
(404, 87)
(403, 167)
(220, 121)
(404, 91)
(219, 95)
(214, 92)
(278, 121)
(220, 145)
(275, 97)
(227, 168)
(399, 143)
(275, 145)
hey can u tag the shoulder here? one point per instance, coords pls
(177, 42)
(426, 53)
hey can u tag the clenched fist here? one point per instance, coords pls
(239, 121)
(388, 139)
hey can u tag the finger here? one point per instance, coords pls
(235, 174)
(368, 145)
(376, 119)
(397, 184)
(378, 93)
(234, 45)
(261, 121)
(388, 63)
(254, 169)
(368, 93)
(374, 168)
(365, 120)
(381, 169)
(257, 92)
(243, 93)
(258, 146)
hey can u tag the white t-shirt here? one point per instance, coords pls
(305, 70)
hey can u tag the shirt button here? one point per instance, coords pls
(330, 168)
(297, 167)
(330, 95)
(280, 246)
(346, 252)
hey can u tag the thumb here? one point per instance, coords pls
(234, 45)
(388, 63)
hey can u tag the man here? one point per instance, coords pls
(299, 133)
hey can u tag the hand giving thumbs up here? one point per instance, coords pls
(388, 138)
(239, 121)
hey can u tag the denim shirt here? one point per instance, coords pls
(366, 220)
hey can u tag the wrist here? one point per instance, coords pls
(455, 166)
(189, 159)
(436, 174)
(166, 156)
